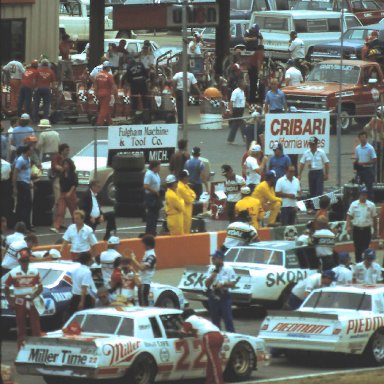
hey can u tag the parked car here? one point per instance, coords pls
(353, 42)
(344, 319)
(312, 27)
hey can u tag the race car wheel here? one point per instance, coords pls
(168, 300)
(241, 363)
(143, 370)
(345, 119)
(374, 351)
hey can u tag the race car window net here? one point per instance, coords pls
(339, 300)
(252, 255)
(155, 327)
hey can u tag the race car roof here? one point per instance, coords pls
(282, 245)
(355, 288)
(131, 311)
(61, 265)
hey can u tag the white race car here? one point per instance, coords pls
(266, 272)
(133, 345)
(345, 319)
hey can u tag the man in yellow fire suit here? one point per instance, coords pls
(250, 204)
(188, 195)
(174, 207)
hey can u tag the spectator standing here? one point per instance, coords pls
(147, 268)
(188, 195)
(194, 46)
(265, 193)
(57, 169)
(147, 57)
(22, 185)
(251, 205)
(79, 235)
(94, 216)
(15, 71)
(27, 286)
(6, 201)
(104, 88)
(219, 279)
(113, 56)
(28, 83)
(233, 184)
(174, 207)
(195, 167)
(68, 197)
(318, 166)
(324, 240)
(20, 132)
(45, 82)
(296, 47)
(237, 106)
(292, 75)
(279, 162)
(344, 274)
(252, 169)
(288, 188)
(365, 163)
(361, 219)
(65, 46)
(82, 285)
(179, 158)
(109, 259)
(49, 140)
(275, 100)
(367, 271)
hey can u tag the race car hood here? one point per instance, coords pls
(316, 89)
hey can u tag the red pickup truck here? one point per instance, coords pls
(358, 85)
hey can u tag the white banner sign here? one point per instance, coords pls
(293, 131)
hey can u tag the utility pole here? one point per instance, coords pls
(96, 32)
(185, 69)
(222, 35)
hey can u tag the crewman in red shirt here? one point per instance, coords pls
(27, 286)
(28, 83)
(104, 88)
(45, 80)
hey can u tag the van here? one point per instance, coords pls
(312, 27)
(242, 9)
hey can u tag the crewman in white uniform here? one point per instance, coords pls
(368, 272)
(344, 274)
(108, 259)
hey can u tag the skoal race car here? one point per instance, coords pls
(137, 345)
(57, 293)
(345, 319)
(266, 272)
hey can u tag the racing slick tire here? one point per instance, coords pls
(168, 300)
(129, 209)
(128, 163)
(133, 179)
(241, 363)
(374, 351)
(129, 195)
(143, 370)
(108, 193)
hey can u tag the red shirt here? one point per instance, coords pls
(104, 83)
(45, 76)
(29, 77)
(24, 283)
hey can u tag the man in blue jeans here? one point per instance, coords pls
(195, 168)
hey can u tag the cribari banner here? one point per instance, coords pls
(293, 131)
(153, 141)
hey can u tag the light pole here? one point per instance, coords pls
(185, 69)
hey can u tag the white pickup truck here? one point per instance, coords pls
(312, 27)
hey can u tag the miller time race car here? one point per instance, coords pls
(132, 345)
(345, 319)
(266, 272)
(57, 293)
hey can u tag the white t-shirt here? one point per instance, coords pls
(364, 275)
(48, 141)
(191, 79)
(316, 160)
(147, 60)
(98, 69)
(294, 75)
(284, 185)
(251, 165)
(149, 260)
(225, 276)
(343, 274)
(362, 214)
(95, 211)
(201, 325)
(233, 188)
(15, 69)
(5, 170)
(81, 241)
(297, 49)
(324, 240)
(81, 277)
(194, 48)
(238, 98)
(307, 285)
(239, 233)
(107, 259)
(10, 258)
(14, 237)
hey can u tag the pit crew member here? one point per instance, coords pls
(109, 259)
(251, 205)
(344, 274)
(368, 272)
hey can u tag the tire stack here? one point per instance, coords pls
(128, 178)
(43, 202)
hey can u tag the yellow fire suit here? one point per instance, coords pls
(188, 195)
(174, 208)
(254, 208)
(268, 199)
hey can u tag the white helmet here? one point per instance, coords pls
(170, 179)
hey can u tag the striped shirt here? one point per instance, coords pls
(24, 283)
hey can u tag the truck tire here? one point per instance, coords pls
(346, 116)
(129, 210)
(241, 363)
(128, 163)
(133, 179)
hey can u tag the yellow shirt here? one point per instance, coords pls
(265, 193)
(254, 208)
(186, 193)
(174, 204)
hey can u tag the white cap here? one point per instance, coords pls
(54, 253)
(106, 64)
(114, 240)
(170, 179)
(245, 190)
(256, 148)
(25, 116)
(255, 114)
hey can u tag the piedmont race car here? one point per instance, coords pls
(266, 272)
(57, 293)
(137, 345)
(346, 319)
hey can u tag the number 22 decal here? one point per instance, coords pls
(183, 347)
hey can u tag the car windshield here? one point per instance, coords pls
(252, 255)
(339, 300)
(89, 150)
(92, 323)
(330, 73)
(355, 34)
